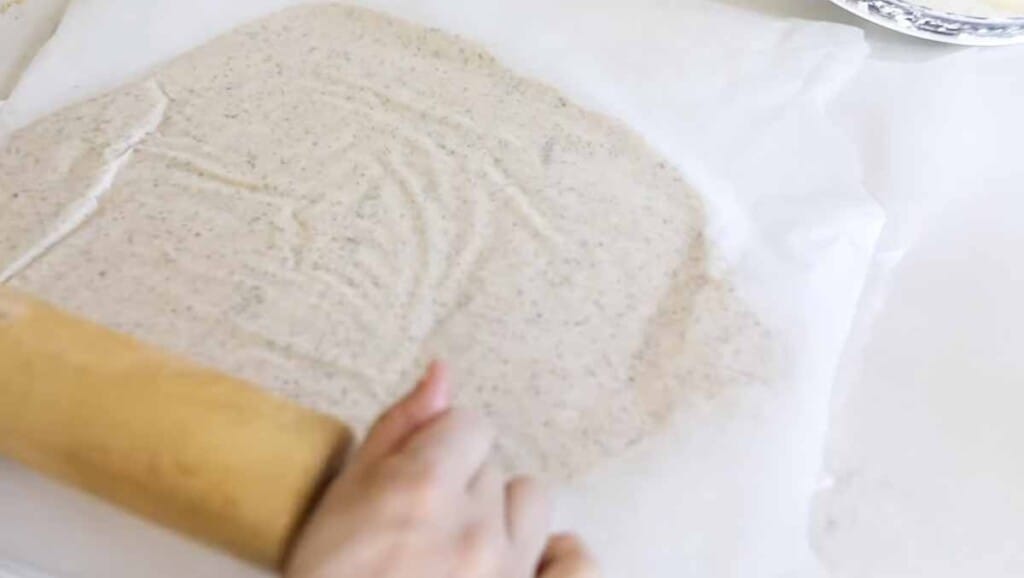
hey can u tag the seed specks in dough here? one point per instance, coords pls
(329, 197)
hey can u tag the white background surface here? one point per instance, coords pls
(792, 129)
(24, 27)
(926, 460)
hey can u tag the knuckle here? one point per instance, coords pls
(423, 478)
(415, 487)
(530, 488)
(530, 498)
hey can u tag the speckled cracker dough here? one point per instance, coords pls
(323, 200)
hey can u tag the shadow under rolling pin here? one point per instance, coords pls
(185, 446)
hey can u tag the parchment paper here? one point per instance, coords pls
(741, 113)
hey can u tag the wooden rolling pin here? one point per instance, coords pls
(187, 447)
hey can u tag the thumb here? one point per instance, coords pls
(566, 557)
(430, 397)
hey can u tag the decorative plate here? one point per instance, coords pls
(933, 24)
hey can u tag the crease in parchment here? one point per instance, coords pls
(78, 212)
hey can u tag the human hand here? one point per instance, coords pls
(566, 557)
(422, 498)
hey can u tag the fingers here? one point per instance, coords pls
(527, 519)
(430, 398)
(455, 445)
(488, 487)
(527, 514)
(487, 494)
(566, 557)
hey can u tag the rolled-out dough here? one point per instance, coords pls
(323, 200)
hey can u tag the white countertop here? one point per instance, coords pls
(923, 475)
